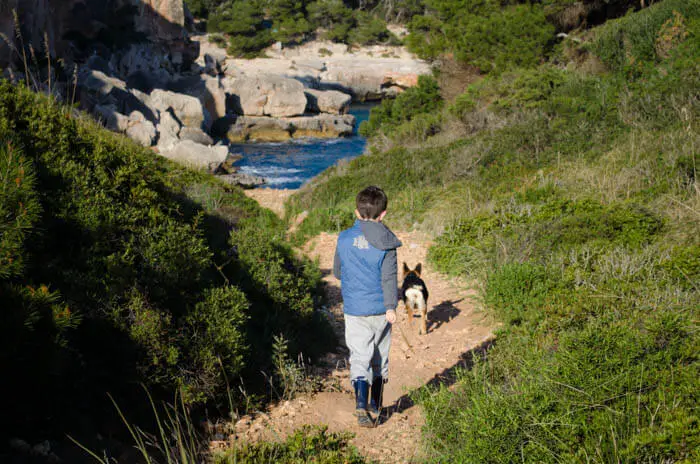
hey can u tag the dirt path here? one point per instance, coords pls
(454, 330)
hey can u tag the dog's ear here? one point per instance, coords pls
(418, 269)
(406, 269)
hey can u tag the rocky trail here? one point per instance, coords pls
(455, 330)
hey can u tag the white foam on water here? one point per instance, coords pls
(268, 170)
(284, 180)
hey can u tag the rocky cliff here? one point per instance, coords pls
(73, 30)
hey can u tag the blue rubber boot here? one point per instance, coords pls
(361, 397)
(376, 396)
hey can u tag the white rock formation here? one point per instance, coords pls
(168, 130)
(141, 129)
(268, 95)
(327, 101)
(187, 109)
(264, 129)
(196, 155)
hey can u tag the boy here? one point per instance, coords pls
(365, 263)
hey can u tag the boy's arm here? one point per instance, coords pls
(389, 282)
(336, 264)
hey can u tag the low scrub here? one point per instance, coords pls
(571, 198)
(118, 267)
(308, 444)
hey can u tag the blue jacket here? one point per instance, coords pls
(365, 263)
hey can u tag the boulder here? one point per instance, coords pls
(141, 129)
(242, 179)
(97, 88)
(327, 101)
(135, 126)
(163, 20)
(144, 66)
(168, 129)
(111, 118)
(187, 109)
(195, 135)
(209, 90)
(322, 126)
(196, 155)
(259, 128)
(263, 129)
(269, 95)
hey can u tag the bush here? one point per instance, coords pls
(639, 41)
(481, 33)
(310, 444)
(414, 101)
(120, 267)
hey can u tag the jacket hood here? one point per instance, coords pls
(379, 235)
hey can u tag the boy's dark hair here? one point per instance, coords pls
(371, 202)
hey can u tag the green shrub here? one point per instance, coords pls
(309, 444)
(481, 33)
(636, 42)
(19, 208)
(423, 98)
(134, 270)
(244, 23)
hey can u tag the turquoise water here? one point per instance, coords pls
(291, 164)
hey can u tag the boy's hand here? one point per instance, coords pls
(390, 316)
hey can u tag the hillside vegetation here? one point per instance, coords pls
(491, 35)
(119, 268)
(567, 190)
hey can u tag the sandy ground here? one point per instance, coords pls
(455, 329)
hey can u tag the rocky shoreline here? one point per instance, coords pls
(184, 97)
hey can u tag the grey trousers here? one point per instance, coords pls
(368, 338)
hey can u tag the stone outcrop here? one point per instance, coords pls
(371, 79)
(195, 135)
(168, 131)
(244, 180)
(141, 129)
(368, 73)
(267, 95)
(187, 109)
(262, 129)
(327, 101)
(197, 155)
(78, 28)
(135, 125)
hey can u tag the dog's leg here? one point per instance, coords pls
(409, 314)
(424, 319)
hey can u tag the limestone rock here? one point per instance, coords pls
(196, 155)
(322, 126)
(269, 95)
(168, 129)
(195, 135)
(208, 90)
(141, 129)
(111, 118)
(97, 88)
(145, 66)
(368, 79)
(163, 19)
(187, 109)
(263, 129)
(259, 128)
(244, 180)
(328, 101)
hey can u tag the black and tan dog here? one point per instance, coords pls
(415, 296)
